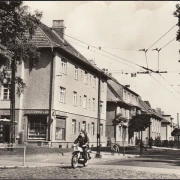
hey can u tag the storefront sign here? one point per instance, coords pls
(59, 113)
(36, 112)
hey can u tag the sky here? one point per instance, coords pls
(122, 28)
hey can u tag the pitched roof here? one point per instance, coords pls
(46, 37)
(147, 109)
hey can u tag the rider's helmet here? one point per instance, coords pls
(82, 133)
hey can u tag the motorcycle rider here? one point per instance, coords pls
(83, 141)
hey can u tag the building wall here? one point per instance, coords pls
(68, 81)
(36, 95)
(70, 137)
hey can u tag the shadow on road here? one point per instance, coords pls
(70, 167)
(162, 159)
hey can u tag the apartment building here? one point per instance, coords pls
(122, 103)
(61, 97)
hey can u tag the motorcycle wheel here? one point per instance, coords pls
(74, 161)
(85, 164)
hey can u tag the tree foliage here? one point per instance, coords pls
(17, 26)
(139, 122)
(176, 13)
(119, 119)
(175, 132)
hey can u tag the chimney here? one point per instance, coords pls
(92, 61)
(106, 71)
(58, 26)
(158, 110)
(103, 69)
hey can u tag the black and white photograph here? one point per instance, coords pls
(89, 89)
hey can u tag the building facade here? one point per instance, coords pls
(61, 97)
(121, 103)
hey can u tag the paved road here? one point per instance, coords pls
(158, 165)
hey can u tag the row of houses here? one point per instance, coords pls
(62, 97)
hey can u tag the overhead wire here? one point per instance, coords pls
(105, 56)
(161, 37)
(123, 58)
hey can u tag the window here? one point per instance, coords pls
(74, 98)
(102, 86)
(127, 114)
(62, 95)
(101, 129)
(88, 128)
(85, 77)
(90, 79)
(85, 102)
(92, 128)
(124, 95)
(84, 126)
(80, 100)
(73, 126)
(64, 66)
(76, 73)
(60, 129)
(101, 106)
(93, 108)
(118, 110)
(81, 75)
(6, 88)
(79, 126)
(120, 131)
(37, 126)
(89, 104)
(94, 82)
(128, 98)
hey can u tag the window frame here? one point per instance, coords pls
(8, 88)
(73, 129)
(75, 98)
(85, 103)
(64, 66)
(63, 95)
(76, 73)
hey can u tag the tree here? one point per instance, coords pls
(17, 26)
(139, 123)
(176, 13)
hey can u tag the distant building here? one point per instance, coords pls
(122, 103)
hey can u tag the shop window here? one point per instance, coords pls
(60, 129)
(37, 126)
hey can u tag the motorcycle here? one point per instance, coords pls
(78, 156)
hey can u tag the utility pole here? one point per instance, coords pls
(178, 127)
(98, 155)
(12, 101)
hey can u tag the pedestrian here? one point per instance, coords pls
(150, 142)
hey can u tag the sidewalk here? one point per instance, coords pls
(54, 159)
(154, 147)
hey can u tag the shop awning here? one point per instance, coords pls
(7, 121)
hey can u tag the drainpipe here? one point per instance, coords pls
(98, 155)
(51, 95)
(115, 125)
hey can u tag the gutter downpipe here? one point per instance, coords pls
(98, 155)
(51, 96)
